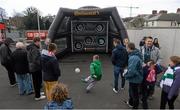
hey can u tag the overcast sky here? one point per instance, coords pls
(52, 6)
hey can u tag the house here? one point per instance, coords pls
(164, 19)
(161, 19)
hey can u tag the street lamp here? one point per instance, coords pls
(39, 28)
(38, 23)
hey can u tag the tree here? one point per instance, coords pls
(47, 21)
(2, 15)
(17, 20)
(138, 22)
(30, 19)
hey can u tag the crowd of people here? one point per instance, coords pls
(32, 69)
(143, 66)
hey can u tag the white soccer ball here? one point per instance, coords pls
(77, 70)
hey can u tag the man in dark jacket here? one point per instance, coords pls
(119, 60)
(150, 52)
(134, 75)
(6, 60)
(34, 59)
(50, 69)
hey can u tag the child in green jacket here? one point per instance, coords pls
(96, 73)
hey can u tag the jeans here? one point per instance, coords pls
(134, 95)
(30, 81)
(24, 84)
(117, 71)
(164, 100)
(122, 80)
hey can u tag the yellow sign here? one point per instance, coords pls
(86, 13)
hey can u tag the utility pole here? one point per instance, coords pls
(39, 28)
(130, 14)
(38, 23)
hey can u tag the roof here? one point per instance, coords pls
(166, 17)
(147, 17)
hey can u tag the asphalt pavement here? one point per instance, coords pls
(101, 97)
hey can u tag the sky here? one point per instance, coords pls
(52, 6)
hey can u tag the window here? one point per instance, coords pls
(152, 23)
(173, 23)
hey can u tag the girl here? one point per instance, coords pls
(60, 98)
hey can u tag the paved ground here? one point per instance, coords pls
(100, 97)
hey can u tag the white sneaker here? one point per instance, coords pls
(150, 97)
(115, 91)
(42, 93)
(40, 98)
(13, 85)
(122, 88)
(129, 104)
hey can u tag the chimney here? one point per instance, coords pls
(163, 12)
(154, 12)
(178, 10)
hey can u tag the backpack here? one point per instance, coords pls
(151, 77)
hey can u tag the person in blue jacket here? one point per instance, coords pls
(134, 75)
(119, 60)
(60, 98)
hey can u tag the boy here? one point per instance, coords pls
(120, 61)
(171, 83)
(96, 73)
(134, 75)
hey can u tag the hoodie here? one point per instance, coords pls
(50, 66)
(174, 90)
(52, 105)
(119, 56)
(135, 71)
(95, 69)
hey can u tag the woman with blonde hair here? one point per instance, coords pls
(60, 100)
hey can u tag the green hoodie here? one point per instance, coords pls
(95, 69)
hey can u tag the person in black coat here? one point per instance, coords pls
(119, 60)
(34, 59)
(6, 60)
(21, 69)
